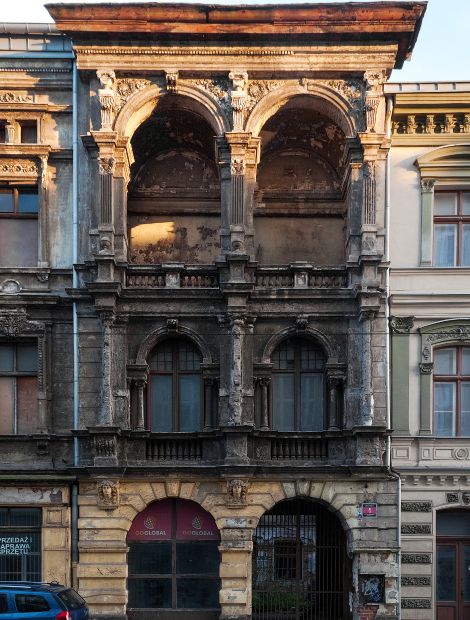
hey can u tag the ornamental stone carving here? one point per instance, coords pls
(10, 97)
(416, 603)
(219, 88)
(105, 446)
(401, 324)
(351, 90)
(426, 368)
(106, 97)
(108, 494)
(10, 287)
(257, 89)
(125, 88)
(237, 167)
(171, 77)
(14, 167)
(461, 454)
(466, 499)
(416, 528)
(106, 165)
(452, 498)
(416, 506)
(237, 491)
(14, 324)
(447, 334)
(408, 580)
(427, 185)
(416, 558)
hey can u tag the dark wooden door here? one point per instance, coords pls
(453, 579)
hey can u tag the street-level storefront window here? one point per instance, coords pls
(451, 229)
(173, 561)
(20, 544)
(452, 391)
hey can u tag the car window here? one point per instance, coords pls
(31, 602)
(71, 599)
(3, 604)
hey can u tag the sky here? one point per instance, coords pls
(442, 52)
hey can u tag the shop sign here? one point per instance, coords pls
(153, 523)
(19, 544)
(194, 523)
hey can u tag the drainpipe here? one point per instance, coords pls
(393, 473)
(74, 495)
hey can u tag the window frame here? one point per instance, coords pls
(456, 379)
(15, 190)
(459, 219)
(297, 372)
(15, 374)
(175, 373)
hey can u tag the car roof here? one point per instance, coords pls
(32, 585)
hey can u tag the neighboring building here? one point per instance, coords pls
(193, 308)
(430, 324)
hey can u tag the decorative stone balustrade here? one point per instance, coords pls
(187, 448)
(300, 277)
(172, 277)
(407, 124)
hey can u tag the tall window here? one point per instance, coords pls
(175, 394)
(18, 388)
(451, 229)
(298, 393)
(20, 544)
(452, 391)
(19, 208)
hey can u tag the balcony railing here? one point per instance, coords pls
(300, 277)
(283, 447)
(173, 277)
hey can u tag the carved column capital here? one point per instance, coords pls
(106, 165)
(401, 324)
(426, 368)
(427, 186)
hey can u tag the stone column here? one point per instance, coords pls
(265, 383)
(367, 397)
(427, 200)
(209, 385)
(106, 406)
(44, 371)
(334, 384)
(426, 369)
(140, 417)
(400, 375)
(235, 574)
(235, 399)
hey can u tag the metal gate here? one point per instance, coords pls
(300, 567)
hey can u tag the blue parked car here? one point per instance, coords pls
(27, 600)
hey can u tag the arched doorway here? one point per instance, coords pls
(173, 562)
(453, 565)
(300, 567)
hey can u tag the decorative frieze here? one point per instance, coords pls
(16, 323)
(416, 528)
(18, 167)
(416, 603)
(416, 558)
(351, 90)
(416, 506)
(11, 97)
(452, 498)
(219, 88)
(416, 581)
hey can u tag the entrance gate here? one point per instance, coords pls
(173, 563)
(300, 567)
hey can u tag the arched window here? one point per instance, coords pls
(452, 391)
(298, 386)
(175, 394)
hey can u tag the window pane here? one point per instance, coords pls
(466, 573)
(18, 242)
(26, 517)
(465, 409)
(6, 201)
(445, 247)
(193, 558)
(198, 593)
(150, 558)
(445, 361)
(189, 357)
(163, 358)
(453, 523)
(149, 593)
(7, 357)
(7, 398)
(466, 361)
(162, 403)
(445, 203)
(28, 200)
(31, 603)
(311, 402)
(283, 402)
(190, 403)
(444, 409)
(27, 358)
(445, 573)
(466, 245)
(3, 603)
(311, 357)
(283, 356)
(466, 203)
(27, 407)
